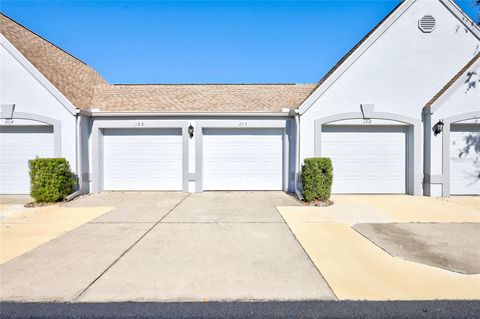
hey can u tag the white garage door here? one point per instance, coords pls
(18, 145)
(243, 159)
(366, 159)
(142, 159)
(465, 159)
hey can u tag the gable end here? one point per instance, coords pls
(37, 75)
(356, 52)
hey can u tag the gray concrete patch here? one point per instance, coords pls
(195, 261)
(131, 207)
(60, 269)
(452, 246)
(224, 207)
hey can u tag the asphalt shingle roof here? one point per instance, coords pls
(199, 97)
(72, 77)
(87, 89)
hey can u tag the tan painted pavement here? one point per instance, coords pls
(357, 269)
(29, 228)
(469, 201)
(383, 209)
(8, 210)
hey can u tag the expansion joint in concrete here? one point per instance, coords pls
(308, 256)
(128, 249)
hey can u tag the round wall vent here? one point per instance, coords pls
(427, 23)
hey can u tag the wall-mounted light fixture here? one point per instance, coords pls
(438, 128)
(190, 131)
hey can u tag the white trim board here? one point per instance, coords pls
(452, 88)
(342, 68)
(37, 74)
(372, 38)
(465, 19)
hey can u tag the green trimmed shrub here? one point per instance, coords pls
(51, 179)
(317, 177)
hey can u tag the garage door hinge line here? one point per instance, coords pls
(129, 248)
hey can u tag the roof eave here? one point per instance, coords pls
(38, 75)
(441, 97)
(187, 114)
(464, 18)
(394, 15)
(353, 56)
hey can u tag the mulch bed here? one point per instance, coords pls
(35, 204)
(320, 203)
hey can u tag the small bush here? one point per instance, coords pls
(50, 179)
(317, 177)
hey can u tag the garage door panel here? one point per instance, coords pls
(147, 153)
(366, 159)
(246, 159)
(143, 159)
(18, 145)
(464, 159)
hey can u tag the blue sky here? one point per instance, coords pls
(205, 42)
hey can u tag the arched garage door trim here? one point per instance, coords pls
(447, 122)
(57, 136)
(414, 177)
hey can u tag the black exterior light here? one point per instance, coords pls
(438, 128)
(190, 131)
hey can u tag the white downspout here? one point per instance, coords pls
(297, 156)
(79, 150)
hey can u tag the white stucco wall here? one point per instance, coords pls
(400, 72)
(463, 97)
(18, 86)
(86, 129)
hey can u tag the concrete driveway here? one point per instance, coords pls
(170, 246)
